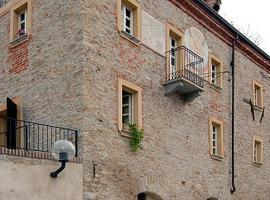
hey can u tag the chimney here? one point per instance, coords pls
(215, 4)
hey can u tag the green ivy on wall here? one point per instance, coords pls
(137, 136)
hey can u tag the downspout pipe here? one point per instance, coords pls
(233, 189)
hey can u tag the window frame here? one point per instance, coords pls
(135, 7)
(217, 62)
(257, 140)
(136, 91)
(256, 84)
(219, 155)
(126, 18)
(173, 32)
(15, 10)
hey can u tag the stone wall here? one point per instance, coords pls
(75, 57)
(174, 162)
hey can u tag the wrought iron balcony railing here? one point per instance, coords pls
(184, 63)
(3, 2)
(20, 134)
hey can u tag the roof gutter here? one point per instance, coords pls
(231, 28)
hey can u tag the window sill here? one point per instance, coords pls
(215, 87)
(125, 133)
(257, 164)
(217, 157)
(130, 38)
(19, 40)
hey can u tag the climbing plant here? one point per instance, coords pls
(136, 137)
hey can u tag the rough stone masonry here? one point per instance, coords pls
(67, 74)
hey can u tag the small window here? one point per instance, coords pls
(216, 71)
(216, 138)
(130, 105)
(257, 95)
(257, 150)
(174, 40)
(142, 196)
(20, 20)
(129, 19)
(22, 23)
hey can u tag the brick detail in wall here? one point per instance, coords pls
(17, 58)
(32, 154)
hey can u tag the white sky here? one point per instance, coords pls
(250, 16)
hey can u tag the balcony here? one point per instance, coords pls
(185, 73)
(20, 134)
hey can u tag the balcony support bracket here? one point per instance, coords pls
(173, 87)
(191, 96)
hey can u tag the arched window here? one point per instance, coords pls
(148, 196)
(142, 196)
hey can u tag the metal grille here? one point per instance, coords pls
(189, 66)
(35, 136)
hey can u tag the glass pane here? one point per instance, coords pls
(125, 119)
(172, 42)
(126, 100)
(23, 26)
(128, 13)
(213, 68)
(22, 16)
(126, 110)
(173, 52)
(128, 23)
(214, 151)
(125, 93)
(173, 61)
(127, 31)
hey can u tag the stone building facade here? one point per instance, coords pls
(195, 85)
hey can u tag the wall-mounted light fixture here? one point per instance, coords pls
(63, 151)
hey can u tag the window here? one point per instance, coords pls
(216, 71)
(174, 40)
(129, 19)
(20, 20)
(142, 196)
(173, 57)
(127, 14)
(216, 138)
(257, 95)
(129, 105)
(257, 150)
(22, 23)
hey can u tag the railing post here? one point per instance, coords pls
(76, 143)
(25, 137)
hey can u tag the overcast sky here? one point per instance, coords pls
(250, 16)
